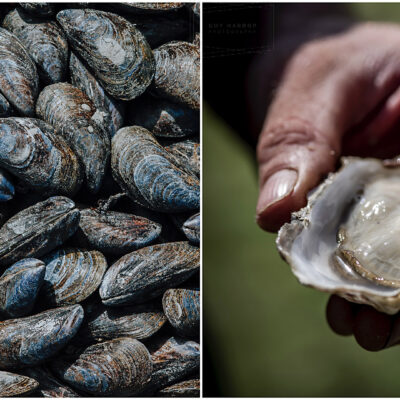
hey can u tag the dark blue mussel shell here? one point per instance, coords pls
(7, 190)
(182, 308)
(32, 340)
(19, 286)
(150, 175)
(115, 50)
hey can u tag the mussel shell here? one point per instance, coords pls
(164, 118)
(32, 340)
(191, 228)
(177, 74)
(138, 322)
(174, 360)
(30, 150)
(39, 9)
(196, 40)
(18, 75)
(114, 49)
(188, 153)
(169, 233)
(49, 386)
(19, 286)
(44, 41)
(74, 116)
(182, 308)
(152, 8)
(196, 10)
(12, 385)
(120, 367)
(84, 80)
(38, 229)
(7, 190)
(115, 233)
(146, 273)
(6, 109)
(72, 275)
(150, 174)
(189, 388)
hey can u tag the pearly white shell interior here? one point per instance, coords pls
(309, 250)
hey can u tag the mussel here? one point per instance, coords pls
(74, 116)
(117, 53)
(146, 273)
(44, 41)
(150, 175)
(19, 81)
(119, 367)
(32, 340)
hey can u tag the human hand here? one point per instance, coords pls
(338, 96)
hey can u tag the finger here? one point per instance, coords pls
(317, 102)
(340, 315)
(300, 141)
(372, 329)
(387, 147)
(375, 130)
(394, 338)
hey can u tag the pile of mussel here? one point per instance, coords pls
(99, 199)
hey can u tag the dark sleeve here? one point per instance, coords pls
(239, 39)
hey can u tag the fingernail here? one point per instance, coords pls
(277, 187)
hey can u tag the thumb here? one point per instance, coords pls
(292, 160)
(320, 97)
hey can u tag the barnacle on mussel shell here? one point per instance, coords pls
(345, 240)
(84, 80)
(164, 118)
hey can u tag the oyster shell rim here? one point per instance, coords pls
(388, 302)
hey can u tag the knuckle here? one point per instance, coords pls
(277, 137)
(292, 143)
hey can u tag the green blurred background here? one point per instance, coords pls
(267, 334)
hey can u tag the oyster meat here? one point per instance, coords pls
(345, 241)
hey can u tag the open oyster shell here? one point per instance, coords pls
(347, 239)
